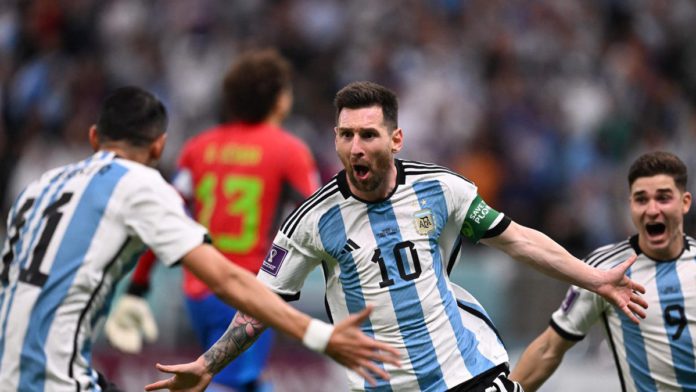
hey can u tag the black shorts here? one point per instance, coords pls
(493, 380)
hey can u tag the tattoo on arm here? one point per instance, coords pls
(242, 332)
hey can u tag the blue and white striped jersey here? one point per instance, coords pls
(396, 255)
(658, 354)
(72, 235)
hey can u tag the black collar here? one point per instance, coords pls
(636, 248)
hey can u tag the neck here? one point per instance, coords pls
(275, 119)
(139, 155)
(671, 252)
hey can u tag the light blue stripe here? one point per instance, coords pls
(333, 237)
(406, 302)
(636, 356)
(21, 261)
(475, 306)
(670, 291)
(68, 260)
(430, 196)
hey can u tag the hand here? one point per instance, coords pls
(129, 323)
(350, 347)
(188, 377)
(623, 292)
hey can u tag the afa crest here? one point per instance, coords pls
(424, 221)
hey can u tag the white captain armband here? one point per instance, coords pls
(317, 335)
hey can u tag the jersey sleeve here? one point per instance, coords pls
(478, 219)
(154, 211)
(301, 169)
(288, 263)
(578, 312)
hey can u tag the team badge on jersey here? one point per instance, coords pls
(424, 221)
(274, 260)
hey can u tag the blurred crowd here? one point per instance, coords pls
(543, 103)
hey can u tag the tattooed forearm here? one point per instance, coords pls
(242, 332)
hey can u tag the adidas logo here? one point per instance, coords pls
(349, 247)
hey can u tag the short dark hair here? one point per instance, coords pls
(359, 95)
(133, 115)
(253, 84)
(659, 162)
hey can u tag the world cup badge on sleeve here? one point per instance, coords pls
(424, 221)
(274, 259)
(569, 299)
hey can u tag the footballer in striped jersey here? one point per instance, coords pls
(386, 233)
(73, 233)
(236, 177)
(658, 354)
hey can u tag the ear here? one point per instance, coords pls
(397, 140)
(94, 138)
(157, 147)
(686, 200)
(283, 104)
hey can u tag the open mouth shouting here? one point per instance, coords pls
(655, 231)
(361, 172)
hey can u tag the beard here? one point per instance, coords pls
(379, 170)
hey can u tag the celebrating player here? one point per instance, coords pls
(658, 355)
(74, 233)
(235, 177)
(387, 232)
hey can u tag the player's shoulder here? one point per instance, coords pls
(315, 205)
(417, 171)
(37, 185)
(689, 247)
(452, 183)
(71, 170)
(138, 175)
(607, 256)
(691, 242)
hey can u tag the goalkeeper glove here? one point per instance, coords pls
(130, 322)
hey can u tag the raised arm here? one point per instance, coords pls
(540, 359)
(345, 343)
(541, 252)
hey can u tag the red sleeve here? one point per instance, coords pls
(140, 282)
(301, 170)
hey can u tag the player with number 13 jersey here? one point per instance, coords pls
(235, 176)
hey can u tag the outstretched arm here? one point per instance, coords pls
(242, 332)
(345, 343)
(540, 359)
(541, 252)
